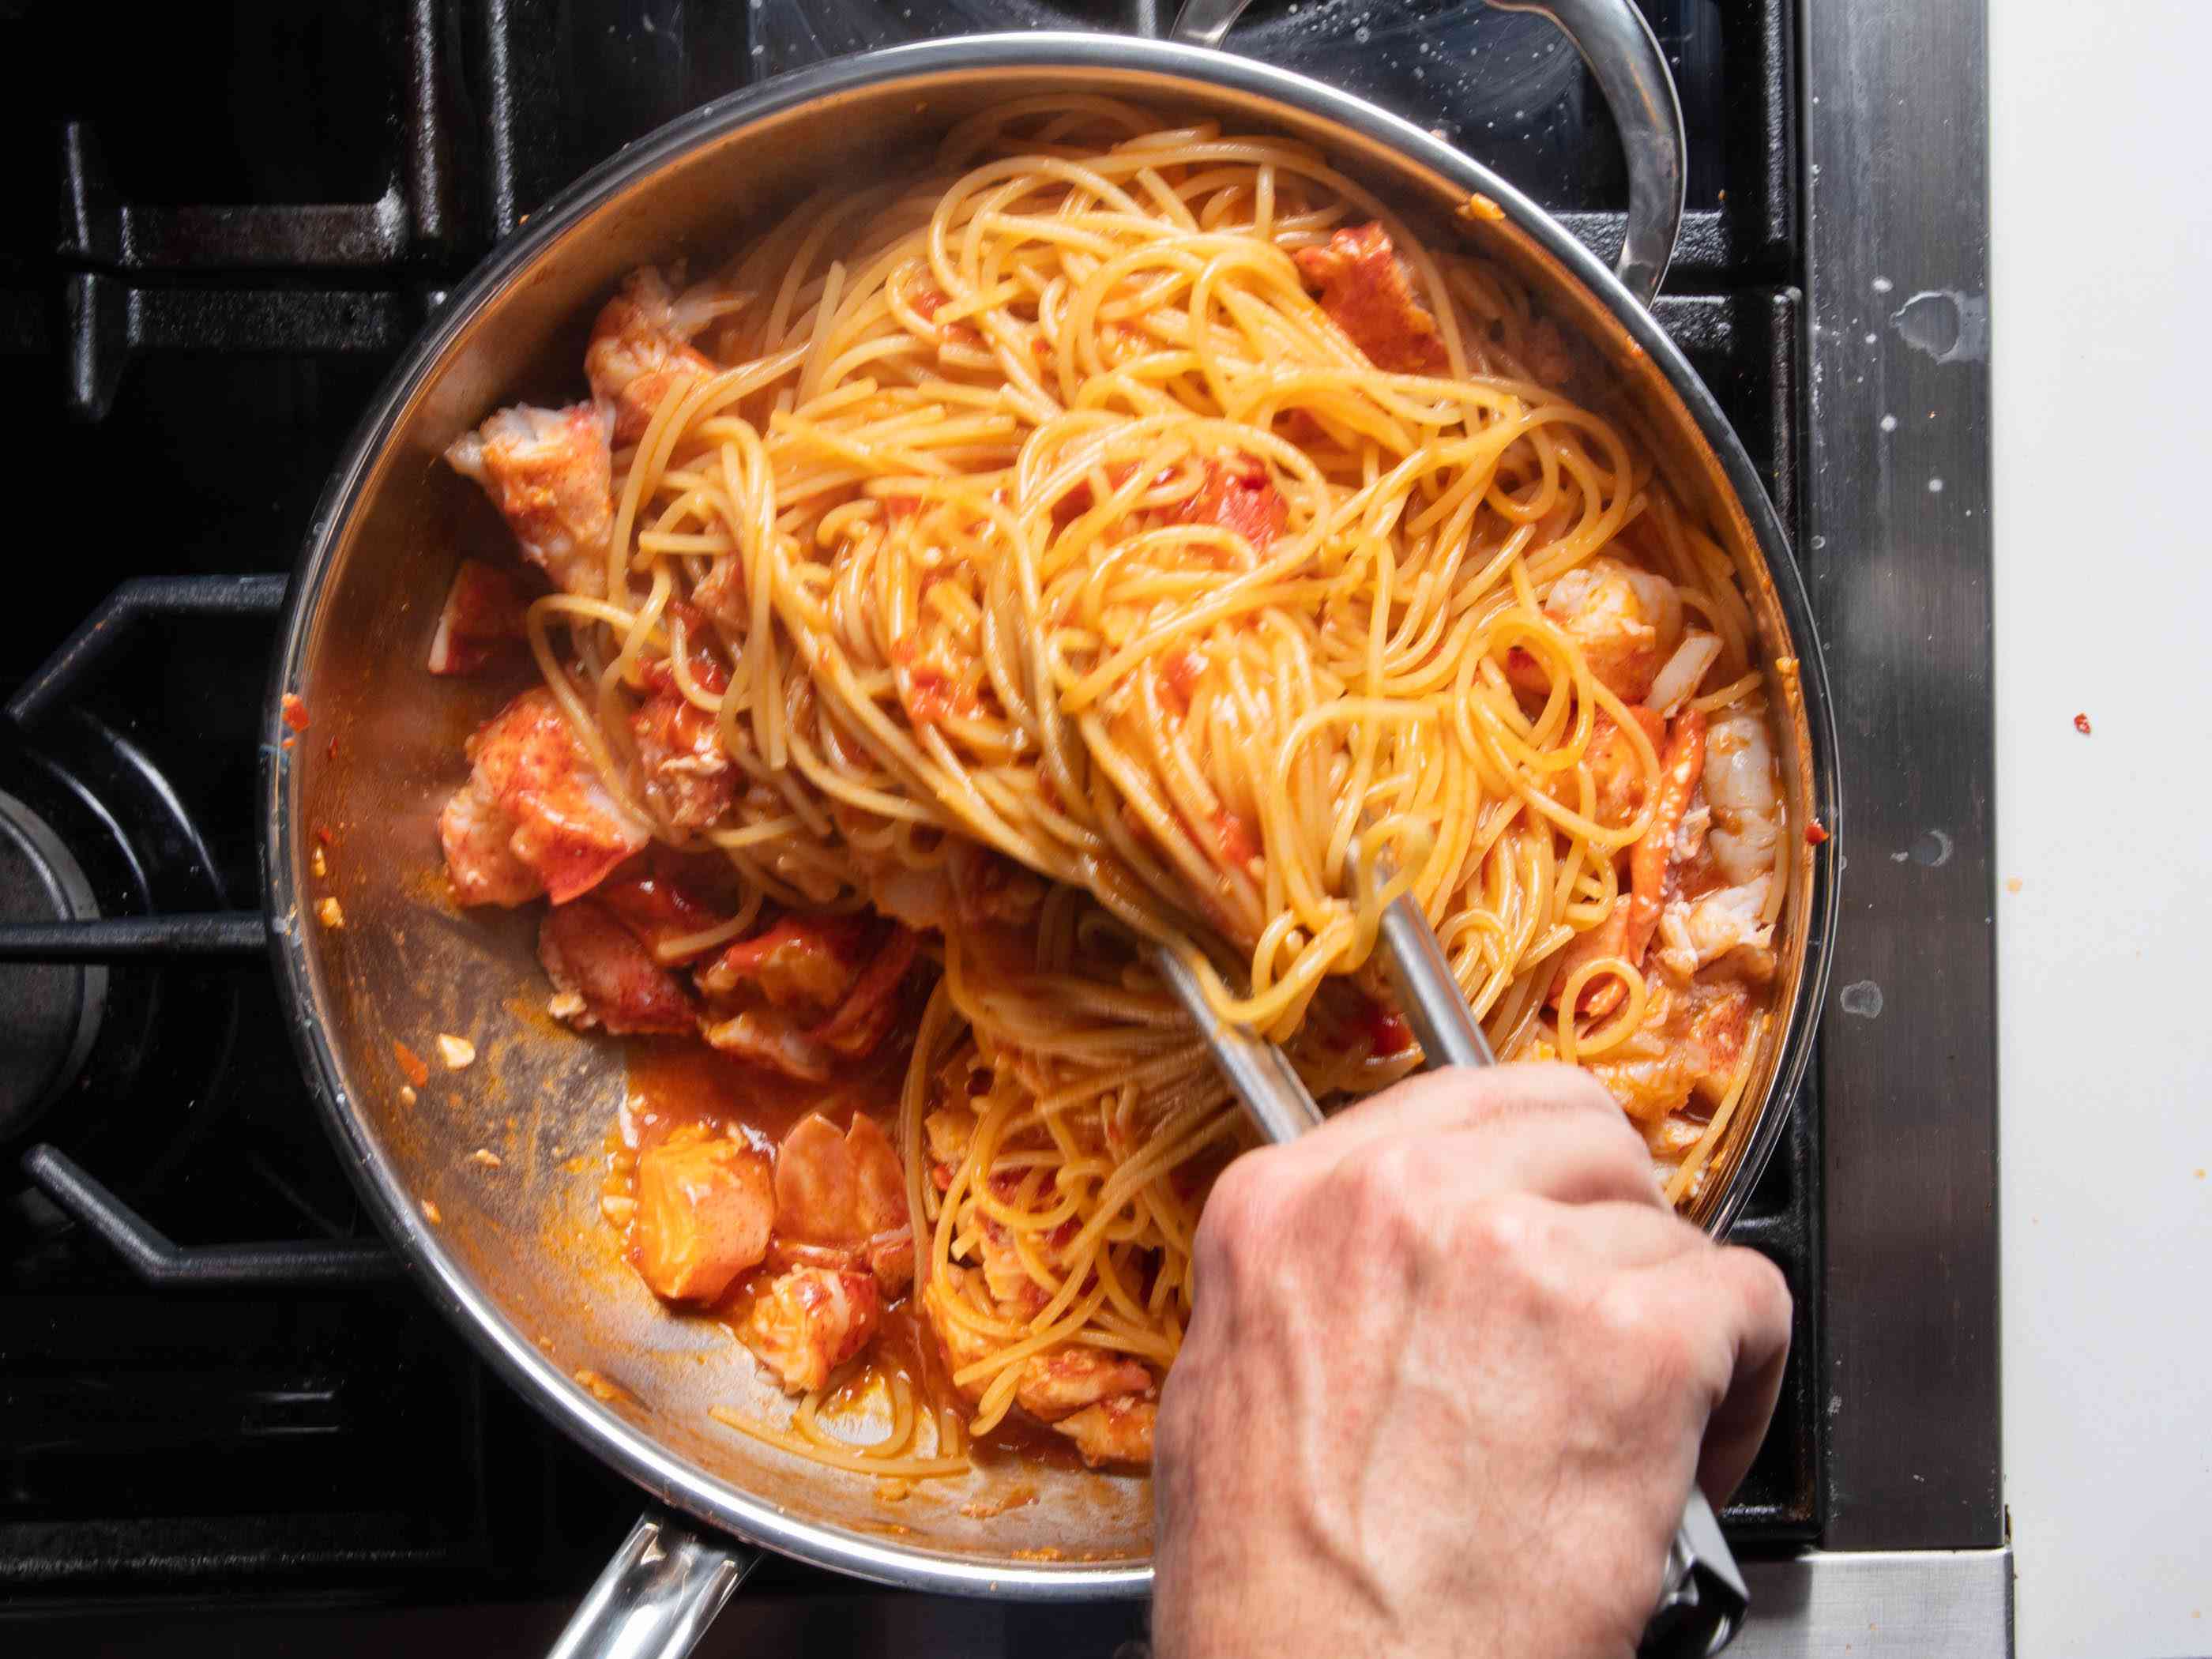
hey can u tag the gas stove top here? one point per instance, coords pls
(214, 1382)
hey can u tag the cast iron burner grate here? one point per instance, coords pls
(212, 1378)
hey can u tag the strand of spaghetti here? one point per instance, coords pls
(686, 947)
(1733, 692)
(1049, 1329)
(858, 1460)
(1685, 1177)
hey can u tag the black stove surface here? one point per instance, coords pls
(221, 225)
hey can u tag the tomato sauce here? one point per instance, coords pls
(673, 1082)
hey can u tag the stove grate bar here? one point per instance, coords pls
(118, 938)
(413, 216)
(109, 321)
(69, 672)
(161, 1262)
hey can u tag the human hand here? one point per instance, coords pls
(1453, 1366)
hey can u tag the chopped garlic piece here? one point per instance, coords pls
(330, 915)
(407, 1095)
(486, 1157)
(566, 1005)
(456, 1051)
(430, 1213)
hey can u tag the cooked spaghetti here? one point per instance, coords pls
(988, 575)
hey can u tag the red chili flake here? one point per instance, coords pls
(933, 698)
(1815, 833)
(2082, 724)
(1238, 841)
(295, 712)
(288, 744)
(1388, 1034)
(324, 835)
(1182, 671)
(411, 1063)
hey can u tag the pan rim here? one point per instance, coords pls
(568, 1404)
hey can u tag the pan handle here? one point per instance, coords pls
(658, 1595)
(1624, 56)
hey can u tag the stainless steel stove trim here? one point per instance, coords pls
(1893, 126)
(1880, 1604)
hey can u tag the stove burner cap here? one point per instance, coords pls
(53, 1009)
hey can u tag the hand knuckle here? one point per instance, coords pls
(1376, 1193)
(1618, 1142)
(1388, 1175)
(1500, 1231)
(1621, 1317)
(1647, 1338)
(1568, 1087)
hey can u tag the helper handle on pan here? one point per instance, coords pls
(658, 1595)
(1632, 72)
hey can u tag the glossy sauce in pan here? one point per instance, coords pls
(673, 1081)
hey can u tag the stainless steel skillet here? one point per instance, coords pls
(515, 1254)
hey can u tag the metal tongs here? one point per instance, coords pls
(1704, 1600)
